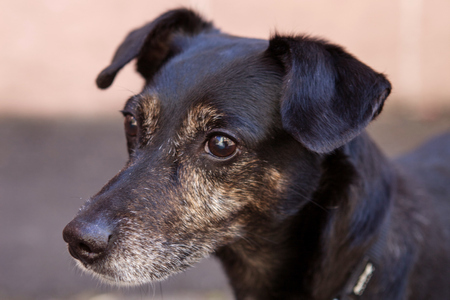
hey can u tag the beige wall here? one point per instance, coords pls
(52, 50)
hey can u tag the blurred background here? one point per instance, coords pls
(61, 138)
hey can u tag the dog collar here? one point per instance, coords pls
(357, 283)
(364, 270)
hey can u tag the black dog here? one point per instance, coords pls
(255, 151)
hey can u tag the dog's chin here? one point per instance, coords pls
(121, 278)
(134, 272)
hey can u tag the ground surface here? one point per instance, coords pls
(49, 167)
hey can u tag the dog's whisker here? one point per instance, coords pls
(309, 200)
(124, 88)
(259, 236)
(251, 242)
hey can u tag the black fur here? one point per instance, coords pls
(151, 44)
(304, 199)
(328, 95)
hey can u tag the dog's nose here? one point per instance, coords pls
(87, 241)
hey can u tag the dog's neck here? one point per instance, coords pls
(312, 255)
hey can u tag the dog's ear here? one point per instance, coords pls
(328, 96)
(152, 44)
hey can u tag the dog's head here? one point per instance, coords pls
(225, 139)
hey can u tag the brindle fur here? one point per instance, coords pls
(303, 199)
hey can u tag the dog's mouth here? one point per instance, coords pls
(131, 257)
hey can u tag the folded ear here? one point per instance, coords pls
(152, 44)
(328, 95)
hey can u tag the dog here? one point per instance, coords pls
(255, 151)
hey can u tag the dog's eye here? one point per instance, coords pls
(220, 146)
(131, 127)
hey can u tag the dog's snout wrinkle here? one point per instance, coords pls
(86, 241)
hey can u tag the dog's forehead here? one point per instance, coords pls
(229, 74)
(206, 59)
